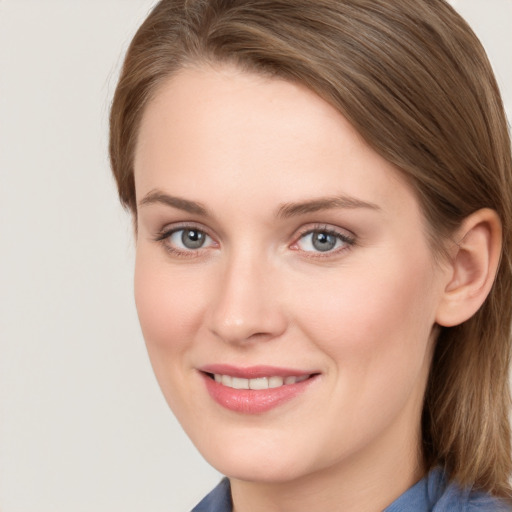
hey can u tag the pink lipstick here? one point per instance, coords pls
(255, 389)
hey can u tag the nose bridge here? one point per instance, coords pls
(246, 305)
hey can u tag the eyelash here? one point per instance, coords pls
(164, 236)
(348, 241)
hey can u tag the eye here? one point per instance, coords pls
(185, 240)
(189, 238)
(323, 240)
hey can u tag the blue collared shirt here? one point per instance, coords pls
(431, 494)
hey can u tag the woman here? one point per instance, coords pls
(322, 201)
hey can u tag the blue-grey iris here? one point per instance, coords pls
(323, 241)
(193, 238)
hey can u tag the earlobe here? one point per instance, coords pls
(472, 268)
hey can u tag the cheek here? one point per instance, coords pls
(375, 328)
(169, 308)
(374, 316)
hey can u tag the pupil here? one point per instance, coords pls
(323, 241)
(192, 238)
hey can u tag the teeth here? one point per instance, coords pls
(240, 383)
(275, 382)
(259, 383)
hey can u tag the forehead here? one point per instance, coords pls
(241, 135)
(232, 106)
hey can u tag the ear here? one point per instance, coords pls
(472, 267)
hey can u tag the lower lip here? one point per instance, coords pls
(251, 401)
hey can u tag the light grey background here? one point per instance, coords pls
(83, 425)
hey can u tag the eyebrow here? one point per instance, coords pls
(159, 197)
(323, 203)
(286, 210)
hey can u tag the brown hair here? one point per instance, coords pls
(414, 80)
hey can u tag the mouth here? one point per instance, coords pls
(256, 389)
(259, 383)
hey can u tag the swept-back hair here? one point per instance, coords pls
(413, 79)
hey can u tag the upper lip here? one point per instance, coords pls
(253, 372)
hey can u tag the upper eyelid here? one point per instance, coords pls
(328, 228)
(169, 229)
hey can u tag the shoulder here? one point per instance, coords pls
(451, 497)
(435, 493)
(219, 500)
(457, 499)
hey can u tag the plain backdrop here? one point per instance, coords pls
(83, 425)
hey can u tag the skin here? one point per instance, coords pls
(362, 315)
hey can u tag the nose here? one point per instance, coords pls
(246, 305)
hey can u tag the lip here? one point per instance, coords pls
(249, 401)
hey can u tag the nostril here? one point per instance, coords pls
(259, 335)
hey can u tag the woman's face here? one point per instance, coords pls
(276, 251)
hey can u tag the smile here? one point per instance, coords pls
(258, 383)
(257, 389)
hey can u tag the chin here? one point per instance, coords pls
(266, 461)
(258, 470)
